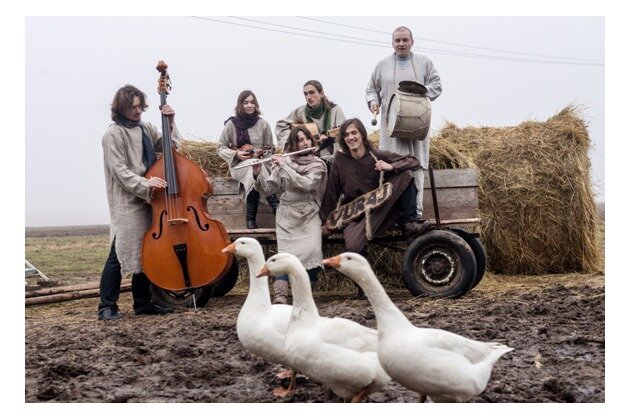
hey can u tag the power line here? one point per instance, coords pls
(453, 43)
(281, 31)
(387, 45)
(376, 43)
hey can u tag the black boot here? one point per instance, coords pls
(312, 276)
(273, 202)
(252, 209)
(407, 204)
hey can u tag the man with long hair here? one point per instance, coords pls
(129, 150)
(356, 170)
(319, 110)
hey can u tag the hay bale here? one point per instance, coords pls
(535, 195)
(204, 154)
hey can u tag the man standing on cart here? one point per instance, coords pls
(388, 73)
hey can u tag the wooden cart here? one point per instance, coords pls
(446, 261)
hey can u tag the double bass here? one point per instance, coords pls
(182, 247)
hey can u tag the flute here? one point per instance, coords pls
(253, 162)
(323, 145)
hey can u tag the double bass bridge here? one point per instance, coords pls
(178, 221)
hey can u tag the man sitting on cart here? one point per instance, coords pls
(356, 170)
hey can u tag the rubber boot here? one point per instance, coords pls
(273, 202)
(252, 209)
(280, 291)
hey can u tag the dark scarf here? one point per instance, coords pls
(317, 113)
(242, 124)
(148, 151)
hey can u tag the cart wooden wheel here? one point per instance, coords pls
(439, 264)
(184, 299)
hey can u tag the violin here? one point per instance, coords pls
(182, 247)
(255, 151)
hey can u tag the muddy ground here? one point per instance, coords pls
(555, 325)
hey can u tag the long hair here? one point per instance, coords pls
(342, 133)
(123, 100)
(328, 104)
(292, 141)
(239, 109)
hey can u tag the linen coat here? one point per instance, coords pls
(260, 136)
(128, 192)
(383, 84)
(298, 227)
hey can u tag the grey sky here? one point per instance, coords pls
(75, 64)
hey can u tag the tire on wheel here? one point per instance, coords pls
(479, 250)
(184, 299)
(439, 264)
(226, 283)
(181, 299)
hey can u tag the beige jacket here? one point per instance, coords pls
(128, 193)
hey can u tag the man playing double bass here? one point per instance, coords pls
(129, 150)
(403, 65)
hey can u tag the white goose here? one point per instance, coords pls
(337, 352)
(261, 327)
(436, 363)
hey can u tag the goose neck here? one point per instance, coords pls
(386, 312)
(258, 287)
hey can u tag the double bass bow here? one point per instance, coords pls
(182, 247)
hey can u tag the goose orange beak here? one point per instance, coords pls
(230, 248)
(334, 262)
(264, 271)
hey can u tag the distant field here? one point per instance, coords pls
(54, 231)
(68, 254)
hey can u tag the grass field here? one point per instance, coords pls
(68, 259)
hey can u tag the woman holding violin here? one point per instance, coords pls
(299, 180)
(246, 136)
(129, 149)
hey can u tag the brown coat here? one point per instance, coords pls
(355, 177)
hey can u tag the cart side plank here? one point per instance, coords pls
(456, 191)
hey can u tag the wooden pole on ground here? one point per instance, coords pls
(65, 289)
(66, 294)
